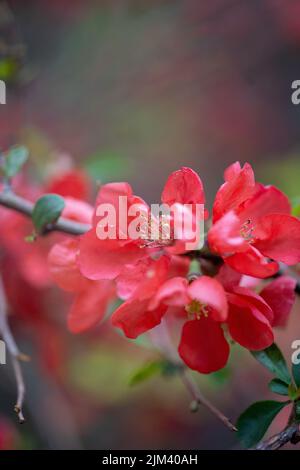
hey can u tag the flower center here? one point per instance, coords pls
(195, 309)
(246, 231)
(159, 235)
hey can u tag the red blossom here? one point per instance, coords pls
(253, 228)
(91, 297)
(252, 231)
(106, 259)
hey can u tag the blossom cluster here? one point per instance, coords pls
(235, 295)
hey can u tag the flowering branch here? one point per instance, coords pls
(210, 262)
(23, 206)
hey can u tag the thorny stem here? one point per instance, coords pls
(15, 354)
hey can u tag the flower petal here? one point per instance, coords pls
(242, 296)
(131, 276)
(266, 200)
(228, 277)
(75, 184)
(62, 261)
(152, 274)
(79, 211)
(210, 292)
(280, 295)
(172, 293)
(203, 346)
(238, 187)
(134, 318)
(90, 305)
(252, 263)
(224, 236)
(183, 186)
(278, 236)
(105, 259)
(249, 327)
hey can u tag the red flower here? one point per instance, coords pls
(105, 259)
(250, 319)
(253, 229)
(280, 295)
(72, 183)
(138, 314)
(203, 306)
(91, 297)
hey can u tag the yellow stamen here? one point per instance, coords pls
(196, 309)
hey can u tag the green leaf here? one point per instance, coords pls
(296, 207)
(279, 387)
(15, 159)
(146, 372)
(8, 69)
(273, 360)
(296, 374)
(107, 165)
(293, 392)
(150, 369)
(47, 210)
(255, 421)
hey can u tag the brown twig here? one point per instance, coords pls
(14, 352)
(289, 434)
(12, 201)
(201, 400)
(160, 338)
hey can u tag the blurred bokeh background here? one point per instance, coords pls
(132, 90)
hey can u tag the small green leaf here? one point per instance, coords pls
(14, 160)
(279, 387)
(296, 374)
(8, 69)
(255, 421)
(273, 360)
(47, 210)
(146, 372)
(296, 207)
(31, 238)
(293, 392)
